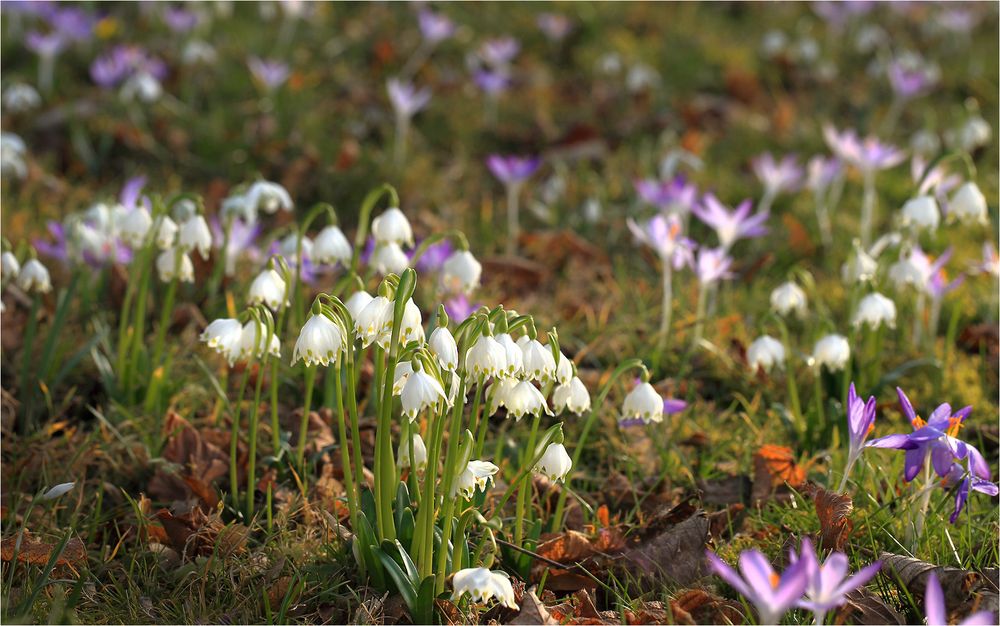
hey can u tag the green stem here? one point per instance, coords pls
(252, 433)
(300, 452)
(275, 424)
(699, 324)
(526, 487)
(28, 385)
(333, 381)
(234, 483)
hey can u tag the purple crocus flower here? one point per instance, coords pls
(860, 423)
(937, 614)
(180, 20)
(242, 238)
(731, 226)
(991, 260)
(674, 195)
(435, 256)
(771, 593)
(837, 14)
(56, 249)
(938, 286)
(777, 176)
(72, 23)
(963, 482)
(712, 264)
(406, 99)
(492, 82)
(822, 171)
(270, 74)
(829, 583)
(435, 27)
(512, 170)
(868, 154)
(122, 62)
(459, 308)
(45, 45)
(911, 76)
(935, 437)
(129, 196)
(663, 234)
(555, 26)
(500, 51)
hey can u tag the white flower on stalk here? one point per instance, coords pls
(443, 347)
(968, 205)
(524, 399)
(357, 302)
(135, 226)
(572, 395)
(21, 97)
(861, 267)
(174, 260)
(389, 258)
(486, 358)
(12, 156)
(166, 231)
(141, 86)
(765, 353)
(411, 328)
(833, 351)
(514, 354)
(321, 341)
(267, 197)
(875, 310)
(392, 227)
(195, 235)
(9, 265)
(418, 459)
(476, 475)
(912, 269)
(788, 298)
(59, 490)
(975, 133)
(288, 247)
(922, 213)
(481, 585)
(224, 335)
(555, 463)
(268, 288)
(538, 362)
(373, 320)
(420, 392)
(253, 342)
(331, 247)
(643, 403)
(400, 375)
(460, 273)
(564, 369)
(497, 392)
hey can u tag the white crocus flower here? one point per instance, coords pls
(9, 265)
(875, 310)
(358, 301)
(268, 197)
(135, 226)
(643, 403)
(482, 585)
(392, 227)
(833, 351)
(389, 258)
(460, 273)
(420, 392)
(166, 231)
(538, 362)
(922, 213)
(373, 320)
(195, 235)
(787, 299)
(555, 463)
(524, 399)
(175, 260)
(572, 396)
(331, 247)
(57, 491)
(765, 353)
(968, 205)
(268, 288)
(320, 341)
(486, 358)
(514, 354)
(223, 335)
(443, 347)
(416, 460)
(253, 340)
(476, 475)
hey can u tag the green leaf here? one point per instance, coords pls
(403, 584)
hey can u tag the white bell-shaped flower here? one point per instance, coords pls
(268, 288)
(321, 341)
(392, 227)
(288, 248)
(135, 226)
(416, 460)
(555, 463)
(765, 353)
(968, 205)
(525, 399)
(223, 335)
(166, 232)
(373, 320)
(921, 213)
(476, 475)
(538, 362)
(514, 354)
(643, 403)
(400, 375)
(913, 269)
(420, 392)
(482, 585)
(875, 310)
(253, 342)
(788, 298)
(34, 277)
(832, 351)
(411, 325)
(572, 396)
(460, 273)
(564, 369)
(268, 197)
(389, 258)
(331, 247)
(195, 235)
(486, 358)
(9, 265)
(497, 392)
(860, 267)
(358, 301)
(443, 347)
(174, 261)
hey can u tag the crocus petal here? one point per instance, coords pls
(904, 402)
(914, 462)
(859, 579)
(961, 495)
(757, 570)
(941, 458)
(728, 574)
(897, 441)
(934, 602)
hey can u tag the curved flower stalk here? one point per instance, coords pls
(664, 235)
(512, 171)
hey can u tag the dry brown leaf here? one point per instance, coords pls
(957, 584)
(864, 607)
(697, 606)
(37, 552)
(834, 513)
(532, 611)
(202, 460)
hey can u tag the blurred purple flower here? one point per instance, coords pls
(406, 99)
(435, 27)
(72, 23)
(45, 45)
(712, 264)
(770, 593)
(676, 194)
(129, 196)
(868, 155)
(731, 226)
(837, 13)
(672, 406)
(180, 20)
(124, 61)
(822, 171)
(492, 82)
(911, 76)
(555, 26)
(777, 176)
(511, 169)
(499, 52)
(435, 256)
(242, 238)
(268, 73)
(937, 614)
(459, 308)
(56, 249)
(663, 234)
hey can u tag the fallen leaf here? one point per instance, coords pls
(676, 555)
(864, 607)
(697, 606)
(647, 613)
(912, 574)
(834, 513)
(532, 611)
(727, 522)
(37, 552)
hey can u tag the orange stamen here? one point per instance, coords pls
(675, 228)
(954, 425)
(775, 579)
(918, 422)
(871, 427)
